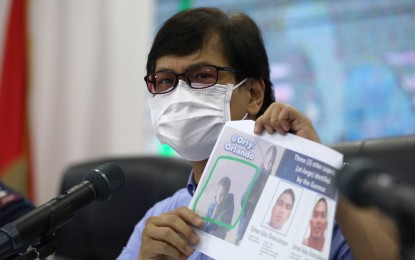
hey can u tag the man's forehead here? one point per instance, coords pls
(285, 196)
(210, 53)
(320, 207)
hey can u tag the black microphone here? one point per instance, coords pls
(365, 184)
(99, 184)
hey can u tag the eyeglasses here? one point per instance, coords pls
(198, 77)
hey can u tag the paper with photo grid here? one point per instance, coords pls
(305, 167)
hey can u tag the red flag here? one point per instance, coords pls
(15, 167)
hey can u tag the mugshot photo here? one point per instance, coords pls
(316, 232)
(282, 208)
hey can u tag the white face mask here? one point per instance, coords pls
(190, 120)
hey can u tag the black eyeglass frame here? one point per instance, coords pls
(187, 79)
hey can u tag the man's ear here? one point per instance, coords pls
(255, 89)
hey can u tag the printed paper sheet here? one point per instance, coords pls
(281, 200)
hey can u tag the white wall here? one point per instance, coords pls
(88, 97)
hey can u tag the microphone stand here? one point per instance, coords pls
(45, 248)
(47, 245)
(40, 251)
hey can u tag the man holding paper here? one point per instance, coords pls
(204, 68)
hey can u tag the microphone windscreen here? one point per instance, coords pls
(351, 180)
(107, 179)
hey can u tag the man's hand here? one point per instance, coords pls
(282, 118)
(169, 236)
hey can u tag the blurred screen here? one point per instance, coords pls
(348, 65)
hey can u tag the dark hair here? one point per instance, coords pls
(289, 192)
(273, 150)
(189, 31)
(321, 200)
(225, 182)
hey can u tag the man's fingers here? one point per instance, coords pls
(179, 221)
(271, 120)
(170, 242)
(188, 216)
(284, 118)
(161, 247)
(259, 126)
(279, 120)
(170, 234)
